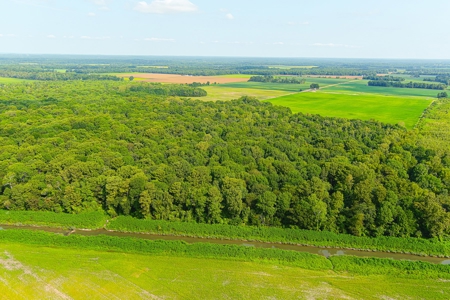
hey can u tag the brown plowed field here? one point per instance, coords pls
(173, 78)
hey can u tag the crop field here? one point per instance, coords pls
(35, 272)
(5, 80)
(260, 90)
(360, 86)
(388, 109)
(223, 93)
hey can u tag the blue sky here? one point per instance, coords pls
(260, 28)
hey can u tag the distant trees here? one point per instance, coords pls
(57, 76)
(314, 86)
(383, 78)
(272, 79)
(131, 78)
(442, 95)
(413, 85)
(168, 90)
(445, 79)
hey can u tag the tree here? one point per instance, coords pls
(314, 86)
(131, 78)
(442, 95)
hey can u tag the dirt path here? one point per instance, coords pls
(327, 86)
(8, 262)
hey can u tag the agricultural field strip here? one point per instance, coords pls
(107, 275)
(328, 86)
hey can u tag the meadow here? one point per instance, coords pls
(260, 90)
(5, 80)
(361, 87)
(387, 109)
(37, 272)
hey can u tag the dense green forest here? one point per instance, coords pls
(98, 145)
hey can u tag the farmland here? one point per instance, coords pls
(37, 272)
(361, 87)
(4, 80)
(388, 109)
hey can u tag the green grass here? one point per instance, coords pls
(90, 220)
(224, 93)
(386, 109)
(36, 272)
(5, 80)
(435, 126)
(285, 87)
(360, 86)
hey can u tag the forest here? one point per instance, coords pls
(125, 149)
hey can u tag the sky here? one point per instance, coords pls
(410, 29)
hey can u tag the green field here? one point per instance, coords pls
(360, 86)
(5, 80)
(223, 93)
(386, 109)
(35, 272)
(260, 90)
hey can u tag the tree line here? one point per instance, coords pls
(445, 79)
(383, 78)
(272, 79)
(56, 76)
(413, 85)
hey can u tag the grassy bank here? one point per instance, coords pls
(283, 235)
(363, 266)
(91, 274)
(91, 220)
(177, 248)
(95, 220)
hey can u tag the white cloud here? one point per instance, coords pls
(91, 14)
(278, 43)
(229, 16)
(153, 39)
(51, 36)
(165, 6)
(334, 45)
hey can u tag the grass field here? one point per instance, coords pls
(34, 272)
(435, 125)
(365, 107)
(360, 86)
(5, 80)
(222, 93)
(260, 90)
